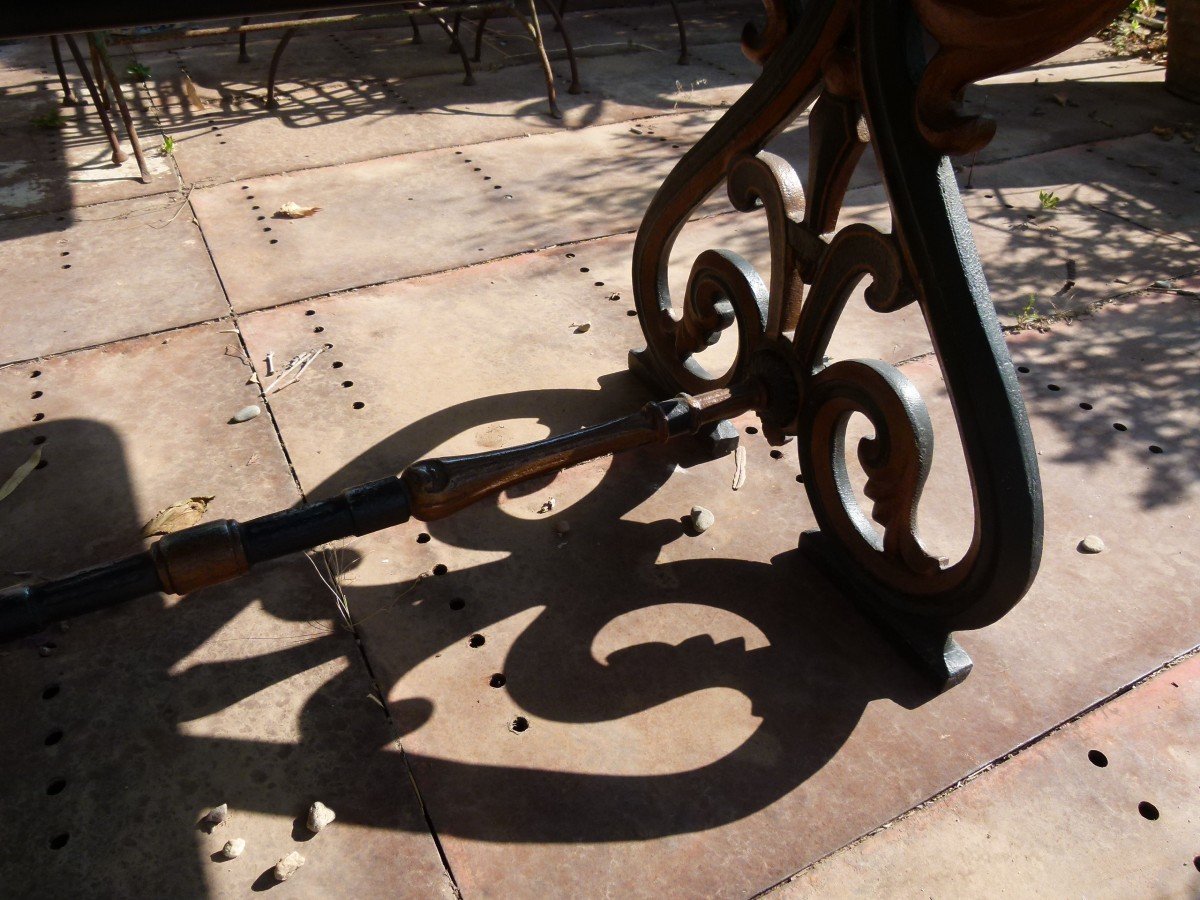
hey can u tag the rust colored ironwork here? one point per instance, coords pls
(862, 67)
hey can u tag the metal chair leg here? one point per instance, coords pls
(272, 103)
(243, 56)
(416, 29)
(455, 31)
(575, 87)
(118, 155)
(684, 56)
(562, 11)
(479, 29)
(469, 78)
(535, 30)
(68, 99)
(119, 95)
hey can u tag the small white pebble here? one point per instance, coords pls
(1091, 544)
(233, 849)
(246, 413)
(286, 867)
(319, 815)
(702, 519)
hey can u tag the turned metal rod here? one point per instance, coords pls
(214, 552)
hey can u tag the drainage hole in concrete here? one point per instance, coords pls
(475, 640)
(1154, 448)
(750, 429)
(318, 329)
(37, 417)
(440, 569)
(59, 841)
(497, 680)
(51, 692)
(35, 395)
(245, 187)
(476, 169)
(487, 177)
(347, 384)
(36, 373)
(1120, 426)
(584, 269)
(65, 253)
(458, 153)
(55, 736)
(1024, 370)
(268, 228)
(273, 241)
(599, 284)
(1053, 387)
(570, 256)
(310, 312)
(1148, 810)
(457, 603)
(358, 404)
(220, 142)
(67, 266)
(496, 187)
(800, 479)
(1085, 406)
(337, 364)
(423, 538)
(260, 218)
(776, 454)
(1097, 758)
(631, 312)
(57, 786)
(519, 724)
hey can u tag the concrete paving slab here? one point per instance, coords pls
(680, 720)
(1067, 816)
(1078, 102)
(237, 138)
(102, 273)
(121, 732)
(54, 167)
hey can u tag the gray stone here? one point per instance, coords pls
(702, 519)
(287, 867)
(1091, 544)
(233, 849)
(216, 816)
(319, 815)
(246, 413)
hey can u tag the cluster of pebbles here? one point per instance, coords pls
(319, 817)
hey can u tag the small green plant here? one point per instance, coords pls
(168, 146)
(49, 120)
(1029, 316)
(137, 71)
(1048, 199)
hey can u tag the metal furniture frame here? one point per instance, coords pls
(866, 70)
(102, 74)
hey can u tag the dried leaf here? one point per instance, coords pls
(1166, 132)
(581, 327)
(291, 210)
(177, 516)
(193, 95)
(22, 472)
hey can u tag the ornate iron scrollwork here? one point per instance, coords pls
(864, 65)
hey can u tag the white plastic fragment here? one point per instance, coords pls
(702, 519)
(233, 849)
(246, 413)
(548, 506)
(319, 815)
(287, 867)
(216, 816)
